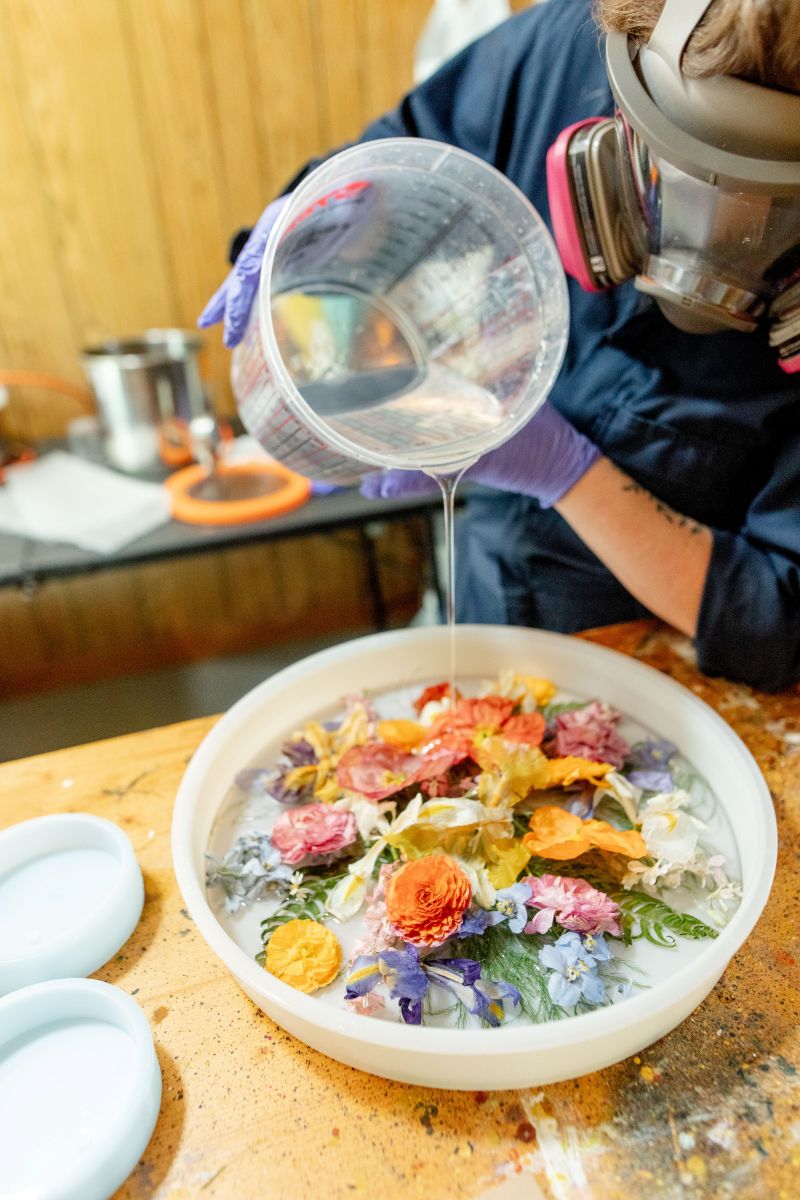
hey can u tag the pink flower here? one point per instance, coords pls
(573, 903)
(313, 832)
(381, 933)
(591, 733)
(366, 1006)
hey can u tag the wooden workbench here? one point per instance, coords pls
(712, 1110)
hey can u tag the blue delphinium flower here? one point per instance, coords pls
(509, 906)
(573, 971)
(477, 920)
(594, 947)
(510, 902)
(650, 760)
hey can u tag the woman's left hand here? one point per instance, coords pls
(544, 460)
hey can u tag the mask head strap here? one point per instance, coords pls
(677, 23)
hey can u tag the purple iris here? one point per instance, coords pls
(408, 981)
(453, 972)
(484, 998)
(299, 752)
(477, 920)
(573, 971)
(650, 760)
(284, 794)
(296, 753)
(401, 973)
(493, 998)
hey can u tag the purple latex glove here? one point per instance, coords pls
(321, 230)
(231, 303)
(544, 460)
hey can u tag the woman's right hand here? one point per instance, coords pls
(231, 303)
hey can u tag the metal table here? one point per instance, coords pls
(25, 562)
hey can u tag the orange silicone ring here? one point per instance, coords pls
(295, 491)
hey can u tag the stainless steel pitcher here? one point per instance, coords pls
(151, 402)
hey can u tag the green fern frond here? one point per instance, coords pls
(650, 918)
(513, 959)
(307, 903)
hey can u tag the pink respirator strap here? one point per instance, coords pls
(562, 208)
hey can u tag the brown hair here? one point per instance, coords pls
(757, 40)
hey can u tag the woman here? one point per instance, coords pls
(663, 475)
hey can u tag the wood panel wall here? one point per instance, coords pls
(136, 135)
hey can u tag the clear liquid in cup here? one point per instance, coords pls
(362, 368)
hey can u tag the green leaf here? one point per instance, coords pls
(550, 711)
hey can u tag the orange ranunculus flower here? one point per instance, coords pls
(426, 899)
(558, 834)
(304, 954)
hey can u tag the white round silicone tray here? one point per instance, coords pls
(515, 1055)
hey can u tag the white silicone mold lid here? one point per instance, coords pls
(80, 1089)
(71, 893)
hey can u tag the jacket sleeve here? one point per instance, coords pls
(749, 625)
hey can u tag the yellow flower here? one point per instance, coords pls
(510, 774)
(506, 860)
(304, 954)
(526, 688)
(542, 690)
(329, 745)
(405, 734)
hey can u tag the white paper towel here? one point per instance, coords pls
(63, 498)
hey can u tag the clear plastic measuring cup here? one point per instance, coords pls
(412, 313)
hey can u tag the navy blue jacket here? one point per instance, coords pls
(707, 423)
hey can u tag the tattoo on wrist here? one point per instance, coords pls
(669, 514)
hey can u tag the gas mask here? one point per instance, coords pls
(692, 190)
